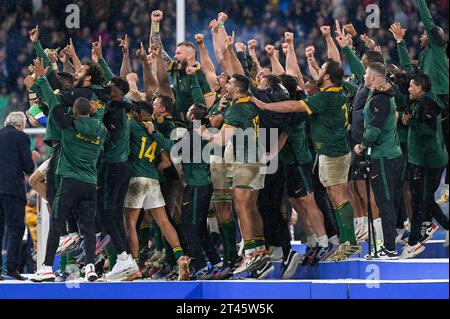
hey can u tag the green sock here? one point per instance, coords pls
(249, 245)
(62, 262)
(260, 242)
(224, 242)
(178, 251)
(229, 229)
(112, 255)
(344, 216)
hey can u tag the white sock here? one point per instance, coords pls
(378, 230)
(323, 241)
(123, 256)
(334, 240)
(249, 252)
(312, 241)
(213, 225)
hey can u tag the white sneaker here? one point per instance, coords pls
(277, 253)
(45, 274)
(245, 263)
(122, 269)
(412, 251)
(90, 274)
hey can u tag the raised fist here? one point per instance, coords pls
(289, 37)
(252, 44)
(199, 38)
(34, 34)
(157, 16)
(240, 47)
(326, 31)
(270, 50)
(222, 17)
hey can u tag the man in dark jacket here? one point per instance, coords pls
(16, 159)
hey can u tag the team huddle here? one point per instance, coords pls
(127, 165)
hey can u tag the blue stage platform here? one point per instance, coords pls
(245, 289)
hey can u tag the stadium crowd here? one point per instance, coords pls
(116, 108)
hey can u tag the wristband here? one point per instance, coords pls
(221, 25)
(155, 27)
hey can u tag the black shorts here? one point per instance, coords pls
(298, 179)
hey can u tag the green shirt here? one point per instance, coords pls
(120, 150)
(243, 116)
(188, 89)
(296, 150)
(144, 149)
(196, 174)
(329, 122)
(380, 125)
(80, 149)
(426, 144)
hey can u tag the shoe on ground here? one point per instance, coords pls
(137, 275)
(340, 253)
(90, 274)
(202, 274)
(1, 277)
(264, 269)
(121, 270)
(324, 253)
(244, 265)
(290, 264)
(45, 274)
(385, 254)
(183, 268)
(15, 275)
(163, 272)
(222, 272)
(411, 251)
(311, 253)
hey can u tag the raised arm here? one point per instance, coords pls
(150, 83)
(125, 68)
(67, 66)
(333, 52)
(206, 62)
(196, 91)
(230, 57)
(155, 36)
(312, 63)
(352, 59)
(277, 68)
(161, 73)
(97, 54)
(426, 17)
(399, 33)
(292, 67)
(73, 55)
(252, 52)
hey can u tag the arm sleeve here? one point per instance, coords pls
(243, 60)
(41, 54)
(107, 73)
(425, 15)
(47, 92)
(114, 123)
(380, 107)
(355, 63)
(403, 54)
